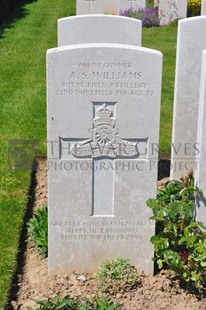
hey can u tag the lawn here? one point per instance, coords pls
(26, 36)
(24, 39)
(164, 39)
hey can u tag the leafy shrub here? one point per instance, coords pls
(180, 243)
(148, 16)
(193, 8)
(38, 230)
(68, 303)
(117, 276)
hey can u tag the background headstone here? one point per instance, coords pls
(136, 4)
(111, 7)
(203, 7)
(89, 7)
(107, 6)
(201, 139)
(103, 118)
(99, 29)
(190, 44)
(182, 8)
(170, 10)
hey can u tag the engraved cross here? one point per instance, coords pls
(107, 150)
(132, 2)
(90, 4)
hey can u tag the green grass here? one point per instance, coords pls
(164, 39)
(22, 112)
(23, 46)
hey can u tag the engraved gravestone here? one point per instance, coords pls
(89, 7)
(203, 7)
(201, 139)
(169, 10)
(190, 44)
(107, 6)
(97, 29)
(103, 132)
(136, 4)
(111, 7)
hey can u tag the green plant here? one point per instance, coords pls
(38, 230)
(193, 8)
(180, 243)
(148, 16)
(76, 303)
(117, 275)
(149, 3)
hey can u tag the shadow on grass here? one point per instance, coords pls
(18, 12)
(163, 168)
(12, 296)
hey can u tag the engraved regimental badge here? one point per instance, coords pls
(105, 140)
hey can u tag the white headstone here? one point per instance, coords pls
(203, 7)
(190, 44)
(201, 139)
(170, 10)
(89, 7)
(107, 6)
(182, 8)
(111, 7)
(136, 4)
(103, 118)
(99, 29)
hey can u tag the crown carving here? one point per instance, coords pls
(104, 114)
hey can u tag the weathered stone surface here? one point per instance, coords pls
(99, 29)
(103, 124)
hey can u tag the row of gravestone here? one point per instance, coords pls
(169, 10)
(106, 6)
(104, 93)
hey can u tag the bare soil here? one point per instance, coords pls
(162, 291)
